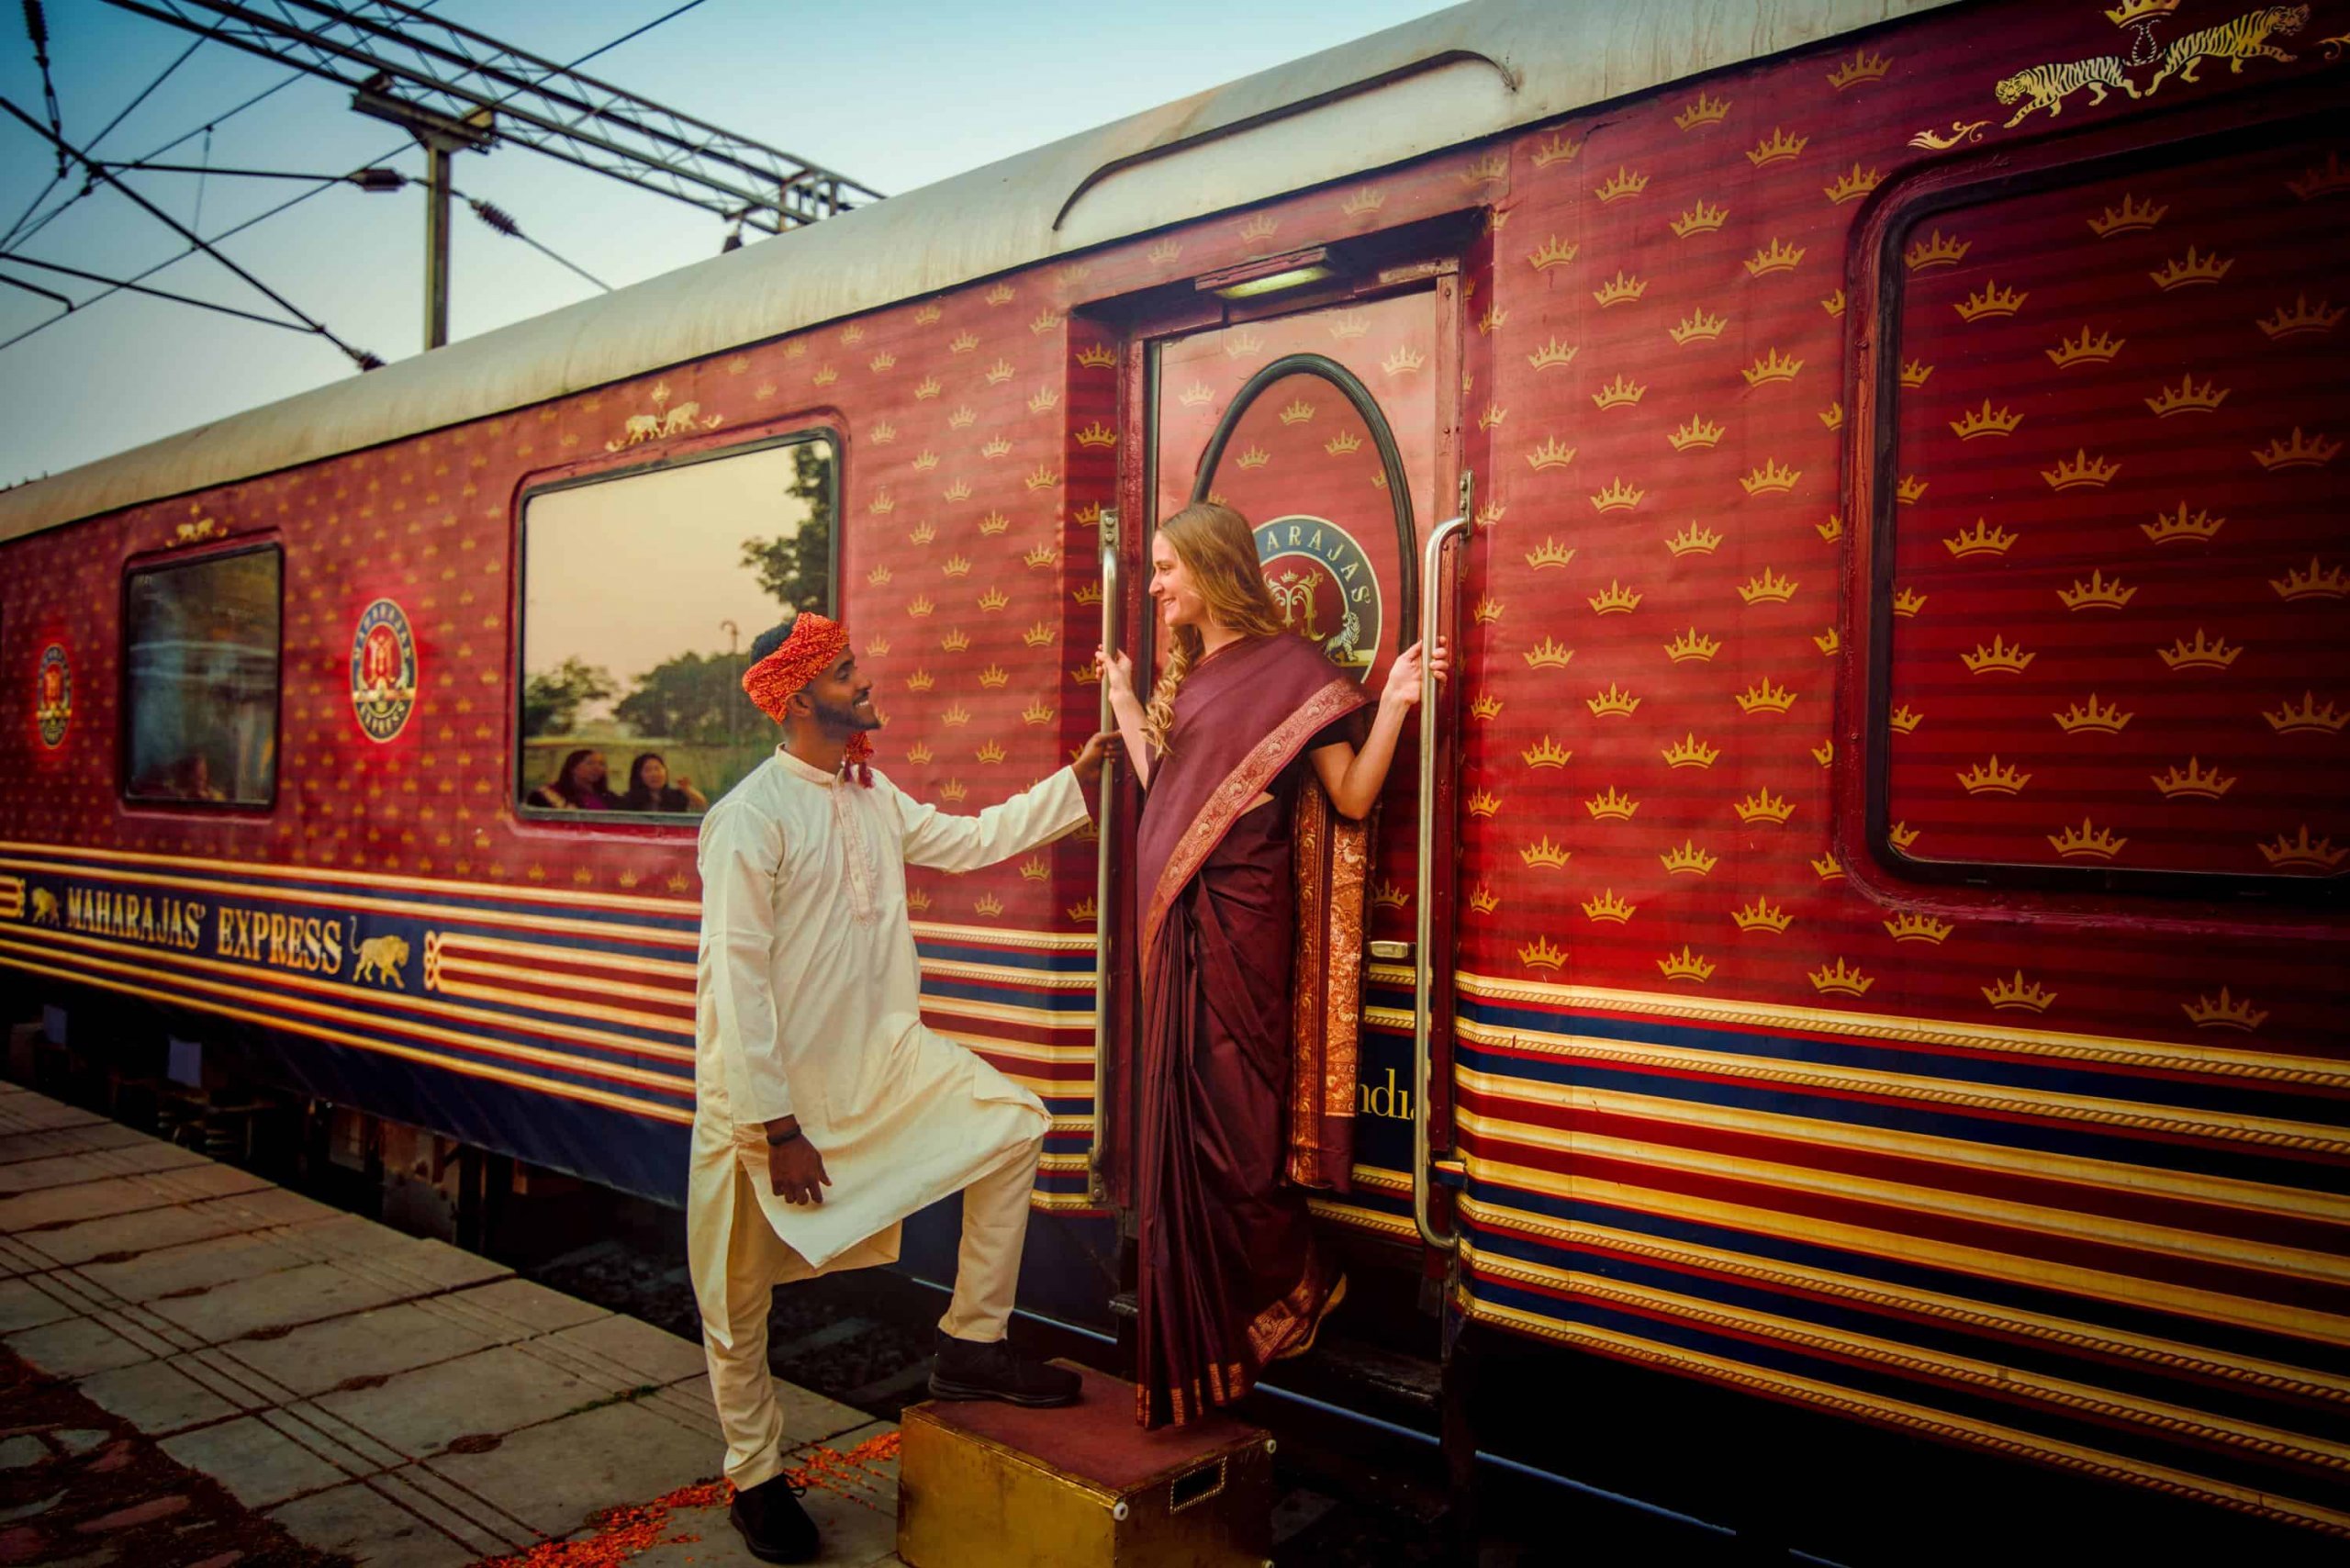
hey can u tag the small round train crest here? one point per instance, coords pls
(382, 670)
(1327, 588)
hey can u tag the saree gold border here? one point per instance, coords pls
(2075, 1336)
(1919, 1419)
(403, 1001)
(2266, 1131)
(618, 963)
(648, 1109)
(2203, 1245)
(2199, 1060)
(617, 1071)
(646, 935)
(2128, 1290)
(2256, 1197)
(565, 898)
(2275, 1444)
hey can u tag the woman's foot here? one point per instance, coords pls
(1329, 1304)
(773, 1525)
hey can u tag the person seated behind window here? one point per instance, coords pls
(578, 785)
(650, 788)
(189, 778)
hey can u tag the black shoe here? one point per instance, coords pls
(966, 1369)
(772, 1523)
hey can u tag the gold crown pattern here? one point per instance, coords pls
(918, 754)
(1348, 325)
(995, 522)
(920, 534)
(1549, 654)
(956, 716)
(1834, 304)
(1828, 641)
(1776, 148)
(1772, 366)
(1996, 657)
(956, 567)
(2086, 842)
(1493, 316)
(1040, 633)
(1616, 496)
(962, 417)
(2080, 472)
(2096, 593)
(1852, 186)
(1939, 250)
(2300, 451)
(1905, 719)
(1914, 373)
(1762, 915)
(2187, 398)
(1485, 900)
(1833, 529)
(1691, 752)
(1404, 361)
(1701, 326)
(1388, 895)
(920, 680)
(1764, 697)
(994, 599)
(1828, 867)
(995, 446)
(1778, 256)
(1612, 806)
(1043, 477)
(2302, 318)
(925, 460)
(1688, 860)
(1488, 609)
(1687, 965)
(1493, 417)
(1549, 553)
(1993, 779)
(1042, 555)
(1918, 929)
(1833, 416)
(1482, 803)
(1253, 456)
(1702, 110)
(1559, 149)
(1623, 183)
(2301, 854)
(1545, 753)
(1621, 289)
(1608, 909)
(986, 904)
(1298, 412)
(2315, 583)
(1767, 586)
(2225, 1013)
(2307, 719)
(1763, 807)
(2130, 13)
(1619, 392)
(2167, 530)
(2200, 654)
(825, 375)
(1866, 65)
(1696, 434)
(1613, 703)
(1260, 227)
(2194, 267)
(1340, 444)
(919, 606)
(1485, 705)
(1614, 599)
(1990, 300)
(998, 373)
(2090, 718)
(1363, 200)
(1552, 354)
(1986, 421)
(1197, 393)
(2085, 349)
(1485, 170)
(1983, 539)
(1552, 252)
(1692, 645)
(1694, 540)
(1096, 433)
(1772, 479)
(2018, 995)
(1551, 453)
(1702, 218)
(2193, 782)
(1544, 853)
(1840, 980)
(1540, 954)
(2328, 177)
(990, 752)
(1243, 343)
(879, 577)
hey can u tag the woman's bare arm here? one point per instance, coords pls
(1353, 778)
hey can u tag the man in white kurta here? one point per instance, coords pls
(826, 1111)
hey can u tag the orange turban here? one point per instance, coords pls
(815, 642)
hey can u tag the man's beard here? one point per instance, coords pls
(844, 718)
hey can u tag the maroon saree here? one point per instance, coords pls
(1251, 891)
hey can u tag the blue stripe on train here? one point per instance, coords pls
(2149, 1322)
(1065, 962)
(2061, 1137)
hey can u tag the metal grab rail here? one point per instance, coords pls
(1423, 961)
(1096, 1190)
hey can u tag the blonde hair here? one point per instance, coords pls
(1218, 548)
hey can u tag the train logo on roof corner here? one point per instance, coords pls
(1327, 588)
(382, 670)
(53, 695)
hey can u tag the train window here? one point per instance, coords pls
(200, 679)
(642, 594)
(2112, 548)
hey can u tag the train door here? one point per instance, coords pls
(1332, 428)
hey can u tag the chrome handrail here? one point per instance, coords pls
(1423, 960)
(1096, 1189)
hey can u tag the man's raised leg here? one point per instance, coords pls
(974, 1362)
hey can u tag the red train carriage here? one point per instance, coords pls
(1866, 934)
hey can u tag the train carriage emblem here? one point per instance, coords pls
(382, 670)
(53, 695)
(1326, 585)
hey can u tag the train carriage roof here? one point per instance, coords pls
(1451, 78)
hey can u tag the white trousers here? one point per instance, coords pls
(987, 1277)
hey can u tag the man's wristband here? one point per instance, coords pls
(775, 1142)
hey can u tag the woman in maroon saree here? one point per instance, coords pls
(1245, 752)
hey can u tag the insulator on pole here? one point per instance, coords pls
(36, 24)
(378, 179)
(490, 212)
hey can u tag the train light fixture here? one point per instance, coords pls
(1268, 274)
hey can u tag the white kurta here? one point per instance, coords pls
(808, 1005)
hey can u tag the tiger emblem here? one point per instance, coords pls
(2047, 86)
(2245, 39)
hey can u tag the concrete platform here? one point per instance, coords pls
(389, 1398)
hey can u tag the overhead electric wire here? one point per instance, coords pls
(135, 288)
(665, 17)
(37, 28)
(498, 220)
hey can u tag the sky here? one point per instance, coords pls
(895, 94)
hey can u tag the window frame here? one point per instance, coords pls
(131, 571)
(673, 823)
(2053, 164)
